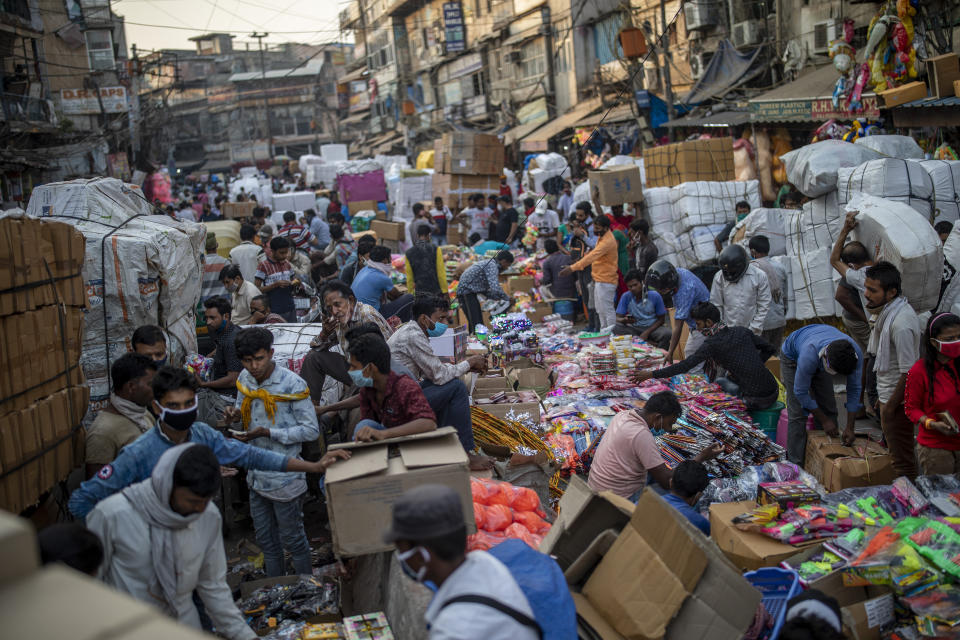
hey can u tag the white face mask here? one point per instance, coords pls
(402, 558)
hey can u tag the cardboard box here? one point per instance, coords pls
(694, 593)
(471, 154)
(523, 373)
(507, 410)
(787, 495)
(773, 366)
(830, 584)
(669, 165)
(520, 284)
(540, 311)
(454, 189)
(903, 94)
(942, 72)
(361, 205)
(956, 87)
(617, 185)
(386, 230)
(236, 210)
(837, 467)
(863, 620)
(747, 550)
(497, 383)
(452, 345)
(362, 490)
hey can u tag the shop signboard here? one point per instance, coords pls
(453, 27)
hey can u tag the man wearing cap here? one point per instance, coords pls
(429, 531)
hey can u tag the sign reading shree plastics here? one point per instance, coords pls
(114, 100)
(811, 109)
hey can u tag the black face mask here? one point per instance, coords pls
(179, 420)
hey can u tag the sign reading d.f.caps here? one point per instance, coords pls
(113, 99)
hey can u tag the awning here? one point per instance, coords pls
(521, 130)
(356, 118)
(216, 163)
(356, 74)
(538, 140)
(727, 70)
(390, 143)
(928, 112)
(718, 119)
(526, 34)
(621, 113)
(809, 98)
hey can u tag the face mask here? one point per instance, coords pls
(232, 288)
(710, 331)
(949, 349)
(179, 420)
(416, 576)
(438, 330)
(741, 216)
(161, 362)
(360, 380)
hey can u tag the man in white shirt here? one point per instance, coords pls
(546, 222)
(161, 541)
(476, 216)
(429, 531)
(242, 292)
(740, 290)
(776, 318)
(246, 255)
(441, 218)
(565, 201)
(186, 212)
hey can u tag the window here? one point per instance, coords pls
(532, 60)
(100, 50)
(562, 37)
(605, 38)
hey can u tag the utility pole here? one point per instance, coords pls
(133, 116)
(665, 39)
(263, 89)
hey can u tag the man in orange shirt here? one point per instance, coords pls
(603, 259)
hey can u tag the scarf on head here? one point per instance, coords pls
(151, 499)
(268, 399)
(133, 412)
(879, 344)
(385, 269)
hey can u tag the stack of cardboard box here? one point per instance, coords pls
(42, 393)
(466, 163)
(691, 161)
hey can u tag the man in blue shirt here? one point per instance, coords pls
(373, 281)
(319, 228)
(686, 291)
(687, 483)
(811, 358)
(175, 401)
(641, 313)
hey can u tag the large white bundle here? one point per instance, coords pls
(700, 203)
(891, 179)
(814, 227)
(248, 172)
(551, 162)
(358, 167)
(308, 159)
(298, 201)
(813, 285)
(139, 269)
(325, 174)
(764, 222)
(659, 204)
(617, 161)
(410, 190)
(699, 240)
(581, 193)
(896, 233)
(951, 265)
(333, 152)
(671, 249)
(945, 175)
(813, 168)
(903, 147)
(390, 163)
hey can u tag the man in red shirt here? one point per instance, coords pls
(390, 405)
(295, 232)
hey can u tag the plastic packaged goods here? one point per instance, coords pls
(659, 209)
(892, 146)
(945, 175)
(816, 226)
(895, 232)
(702, 203)
(813, 285)
(333, 152)
(138, 269)
(813, 168)
(891, 179)
(700, 244)
(763, 222)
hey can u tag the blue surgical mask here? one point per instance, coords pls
(161, 362)
(438, 330)
(359, 379)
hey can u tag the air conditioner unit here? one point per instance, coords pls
(699, 63)
(699, 15)
(512, 57)
(823, 34)
(747, 33)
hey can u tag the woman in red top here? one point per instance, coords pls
(933, 388)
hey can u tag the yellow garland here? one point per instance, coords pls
(269, 401)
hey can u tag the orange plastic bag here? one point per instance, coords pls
(524, 499)
(530, 520)
(517, 530)
(497, 517)
(481, 490)
(484, 540)
(479, 514)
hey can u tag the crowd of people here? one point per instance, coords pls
(156, 453)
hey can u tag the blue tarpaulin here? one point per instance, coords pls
(728, 69)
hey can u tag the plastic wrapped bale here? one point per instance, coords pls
(671, 249)
(903, 147)
(950, 300)
(700, 246)
(138, 268)
(412, 187)
(898, 234)
(763, 222)
(813, 285)
(945, 175)
(891, 179)
(248, 172)
(308, 159)
(696, 204)
(291, 344)
(333, 152)
(813, 168)
(659, 207)
(815, 226)
(581, 193)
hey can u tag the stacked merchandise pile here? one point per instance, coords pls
(43, 397)
(504, 511)
(545, 173)
(139, 269)
(408, 187)
(361, 181)
(323, 170)
(464, 164)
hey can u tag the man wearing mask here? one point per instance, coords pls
(811, 359)
(175, 401)
(162, 541)
(426, 269)
(242, 293)
(775, 321)
(125, 418)
(565, 201)
(740, 290)
(508, 221)
(482, 277)
(150, 341)
(246, 255)
(358, 260)
(893, 347)
(645, 251)
(742, 210)
(421, 216)
(686, 291)
(440, 381)
(602, 260)
(219, 392)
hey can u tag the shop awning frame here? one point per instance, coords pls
(719, 119)
(809, 98)
(539, 139)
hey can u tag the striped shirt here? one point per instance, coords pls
(298, 234)
(281, 299)
(210, 285)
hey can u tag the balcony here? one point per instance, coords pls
(350, 16)
(26, 111)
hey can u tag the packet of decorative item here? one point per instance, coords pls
(937, 612)
(370, 626)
